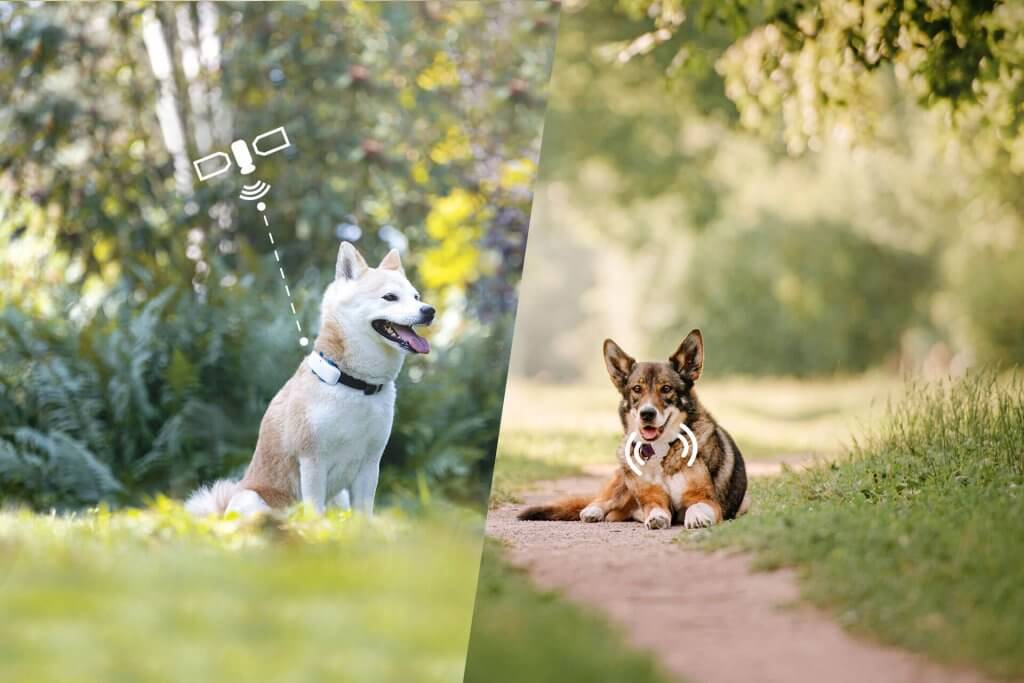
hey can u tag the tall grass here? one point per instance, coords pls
(917, 537)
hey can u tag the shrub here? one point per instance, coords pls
(993, 298)
(799, 299)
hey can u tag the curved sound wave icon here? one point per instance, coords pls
(257, 190)
(636, 461)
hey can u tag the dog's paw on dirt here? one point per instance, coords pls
(699, 516)
(592, 513)
(658, 519)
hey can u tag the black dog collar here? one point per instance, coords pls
(328, 372)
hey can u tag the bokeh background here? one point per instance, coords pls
(832, 194)
(143, 327)
(821, 201)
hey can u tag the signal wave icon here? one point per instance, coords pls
(257, 190)
(685, 436)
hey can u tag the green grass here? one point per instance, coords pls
(917, 537)
(522, 635)
(154, 595)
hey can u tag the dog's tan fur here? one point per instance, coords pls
(710, 490)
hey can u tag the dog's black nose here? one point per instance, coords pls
(428, 313)
(648, 414)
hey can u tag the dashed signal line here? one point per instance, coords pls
(303, 341)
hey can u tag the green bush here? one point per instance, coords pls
(134, 400)
(448, 416)
(799, 299)
(993, 298)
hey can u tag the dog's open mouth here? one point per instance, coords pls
(651, 432)
(402, 335)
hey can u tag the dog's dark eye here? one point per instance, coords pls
(417, 297)
(637, 388)
(390, 297)
(666, 389)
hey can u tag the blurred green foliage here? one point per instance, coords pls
(157, 595)
(682, 126)
(144, 327)
(606, 110)
(993, 291)
(810, 294)
(390, 106)
(806, 68)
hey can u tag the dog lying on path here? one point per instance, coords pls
(656, 481)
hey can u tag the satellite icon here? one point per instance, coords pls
(257, 190)
(213, 165)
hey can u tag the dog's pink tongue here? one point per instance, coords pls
(418, 343)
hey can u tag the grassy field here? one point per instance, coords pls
(917, 537)
(524, 635)
(154, 595)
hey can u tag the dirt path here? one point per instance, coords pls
(707, 617)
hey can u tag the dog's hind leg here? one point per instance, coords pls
(615, 503)
(247, 502)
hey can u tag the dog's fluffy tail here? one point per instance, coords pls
(564, 510)
(212, 499)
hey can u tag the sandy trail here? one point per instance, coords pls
(706, 617)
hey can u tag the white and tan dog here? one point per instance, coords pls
(323, 434)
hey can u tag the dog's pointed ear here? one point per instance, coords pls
(393, 261)
(688, 360)
(619, 364)
(351, 264)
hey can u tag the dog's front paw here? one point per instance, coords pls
(699, 515)
(592, 513)
(658, 519)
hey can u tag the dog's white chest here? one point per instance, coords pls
(349, 429)
(674, 484)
